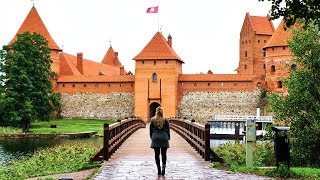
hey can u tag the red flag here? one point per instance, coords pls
(152, 9)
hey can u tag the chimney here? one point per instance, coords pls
(80, 62)
(170, 40)
(121, 70)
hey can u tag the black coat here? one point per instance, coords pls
(160, 137)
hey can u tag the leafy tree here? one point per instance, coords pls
(26, 89)
(300, 108)
(292, 10)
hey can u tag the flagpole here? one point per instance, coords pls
(158, 18)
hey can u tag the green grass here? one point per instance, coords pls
(60, 159)
(263, 159)
(69, 126)
(9, 130)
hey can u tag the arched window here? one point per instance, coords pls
(273, 68)
(245, 54)
(279, 84)
(154, 77)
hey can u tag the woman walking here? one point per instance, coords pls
(160, 136)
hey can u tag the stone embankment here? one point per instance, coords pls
(203, 106)
(97, 106)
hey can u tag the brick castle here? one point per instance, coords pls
(106, 90)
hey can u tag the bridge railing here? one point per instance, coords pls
(115, 134)
(197, 135)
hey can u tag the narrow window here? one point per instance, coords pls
(272, 49)
(279, 84)
(73, 85)
(235, 84)
(154, 77)
(273, 68)
(208, 84)
(245, 54)
(264, 66)
(63, 85)
(109, 84)
(195, 84)
(142, 62)
(284, 48)
(245, 66)
(166, 62)
(264, 53)
(154, 62)
(265, 41)
(84, 85)
(259, 41)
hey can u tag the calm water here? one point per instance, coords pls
(15, 148)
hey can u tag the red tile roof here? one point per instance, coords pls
(34, 23)
(215, 77)
(68, 66)
(111, 58)
(280, 36)
(157, 48)
(96, 78)
(261, 25)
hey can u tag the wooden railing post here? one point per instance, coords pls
(207, 142)
(106, 138)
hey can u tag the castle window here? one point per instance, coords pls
(73, 85)
(259, 41)
(154, 77)
(259, 84)
(264, 53)
(142, 62)
(208, 84)
(63, 85)
(235, 84)
(265, 41)
(195, 84)
(84, 85)
(221, 84)
(166, 62)
(279, 84)
(96, 85)
(154, 62)
(284, 48)
(245, 54)
(109, 84)
(121, 85)
(245, 66)
(273, 68)
(272, 49)
(264, 66)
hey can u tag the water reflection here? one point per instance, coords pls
(17, 148)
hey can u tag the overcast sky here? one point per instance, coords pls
(205, 33)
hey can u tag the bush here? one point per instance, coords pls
(235, 153)
(60, 159)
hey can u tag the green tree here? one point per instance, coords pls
(300, 108)
(292, 10)
(26, 89)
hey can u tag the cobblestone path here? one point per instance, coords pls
(134, 160)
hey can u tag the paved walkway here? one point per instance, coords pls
(134, 160)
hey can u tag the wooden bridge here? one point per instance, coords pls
(128, 154)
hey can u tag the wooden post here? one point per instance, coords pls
(106, 141)
(207, 142)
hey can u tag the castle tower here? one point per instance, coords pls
(277, 59)
(156, 78)
(254, 35)
(111, 58)
(34, 23)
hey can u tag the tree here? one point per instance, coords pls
(292, 10)
(26, 89)
(300, 108)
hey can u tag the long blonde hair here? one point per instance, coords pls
(158, 119)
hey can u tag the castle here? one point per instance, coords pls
(105, 90)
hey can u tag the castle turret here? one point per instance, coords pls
(156, 78)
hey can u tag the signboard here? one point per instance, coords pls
(251, 130)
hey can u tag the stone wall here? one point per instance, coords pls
(203, 106)
(97, 106)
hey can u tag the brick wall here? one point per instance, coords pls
(97, 106)
(202, 106)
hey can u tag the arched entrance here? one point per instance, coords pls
(152, 109)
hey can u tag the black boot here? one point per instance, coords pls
(159, 169)
(163, 170)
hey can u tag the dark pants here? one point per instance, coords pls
(163, 155)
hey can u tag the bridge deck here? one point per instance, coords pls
(135, 160)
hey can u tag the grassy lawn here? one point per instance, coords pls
(69, 126)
